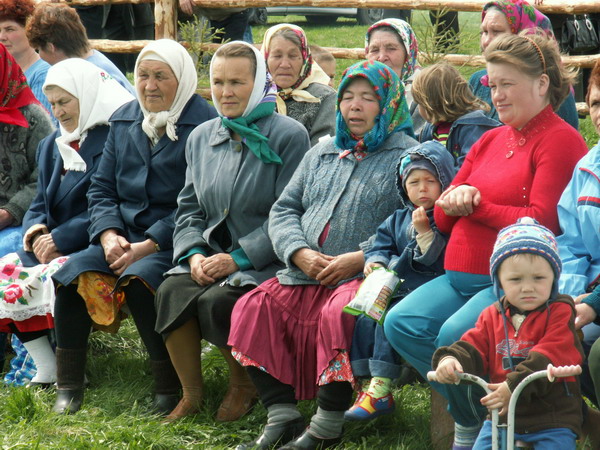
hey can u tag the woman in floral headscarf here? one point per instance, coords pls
(302, 86)
(394, 43)
(24, 124)
(508, 16)
(290, 332)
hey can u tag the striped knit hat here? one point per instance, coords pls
(526, 236)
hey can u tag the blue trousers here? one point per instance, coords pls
(11, 240)
(550, 439)
(437, 314)
(371, 354)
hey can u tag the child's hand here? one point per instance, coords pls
(370, 266)
(420, 220)
(446, 370)
(498, 399)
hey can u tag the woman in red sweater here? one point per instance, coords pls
(513, 171)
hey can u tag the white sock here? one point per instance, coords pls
(44, 359)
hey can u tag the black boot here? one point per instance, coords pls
(276, 434)
(70, 374)
(309, 442)
(166, 386)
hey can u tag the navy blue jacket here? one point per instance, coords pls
(61, 204)
(395, 243)
(464, 132)
(135, 191)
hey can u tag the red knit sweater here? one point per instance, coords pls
(518, 173)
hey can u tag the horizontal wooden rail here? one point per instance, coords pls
(582, 109)
(104, 45)
(549, 6)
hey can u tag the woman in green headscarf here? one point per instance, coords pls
(238, 164)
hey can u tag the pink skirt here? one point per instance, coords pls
(293, 331)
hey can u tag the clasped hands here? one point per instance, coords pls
(459, 200)
(38, 239)
(119, 253)
(328, 270)
(499, 398)
(206, 270)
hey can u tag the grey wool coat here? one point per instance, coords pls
(18, 166)
(317, 118)
(352, 196)
(227, 184)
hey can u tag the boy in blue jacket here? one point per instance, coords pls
(409, 243)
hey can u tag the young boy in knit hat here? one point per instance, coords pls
(409, 243)
(530, 327)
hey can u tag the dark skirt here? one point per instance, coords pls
(180, 299)
(294, 331)
(150, 268)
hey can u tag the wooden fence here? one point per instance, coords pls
(165, 14)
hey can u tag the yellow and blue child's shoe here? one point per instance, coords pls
(366, 407)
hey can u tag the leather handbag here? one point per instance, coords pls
(579, 35)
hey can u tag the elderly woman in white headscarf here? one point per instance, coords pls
(83, 98)
(221, 243)
(132, 202)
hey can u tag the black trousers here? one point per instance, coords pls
(233, 27)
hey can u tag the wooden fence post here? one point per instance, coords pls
(165, 18)
(442, 424)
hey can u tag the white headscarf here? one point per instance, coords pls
(99, 96)
(177, 58)
(263, 84)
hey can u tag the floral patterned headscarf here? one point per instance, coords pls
(521, 16)
(14, 91)
(393, 115)
(310, 72)
(407, 37)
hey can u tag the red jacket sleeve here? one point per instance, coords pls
(553, 166)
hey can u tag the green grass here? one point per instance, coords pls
(115, 412)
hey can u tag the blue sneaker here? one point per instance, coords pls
(367, 407)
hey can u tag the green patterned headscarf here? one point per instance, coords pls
(260, 104)
(393, 115)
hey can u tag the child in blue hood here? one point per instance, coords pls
(409, 243)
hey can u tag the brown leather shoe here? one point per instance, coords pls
(183, 409)
(240, 399)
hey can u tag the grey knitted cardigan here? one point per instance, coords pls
(353, 197)
(18, 165)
